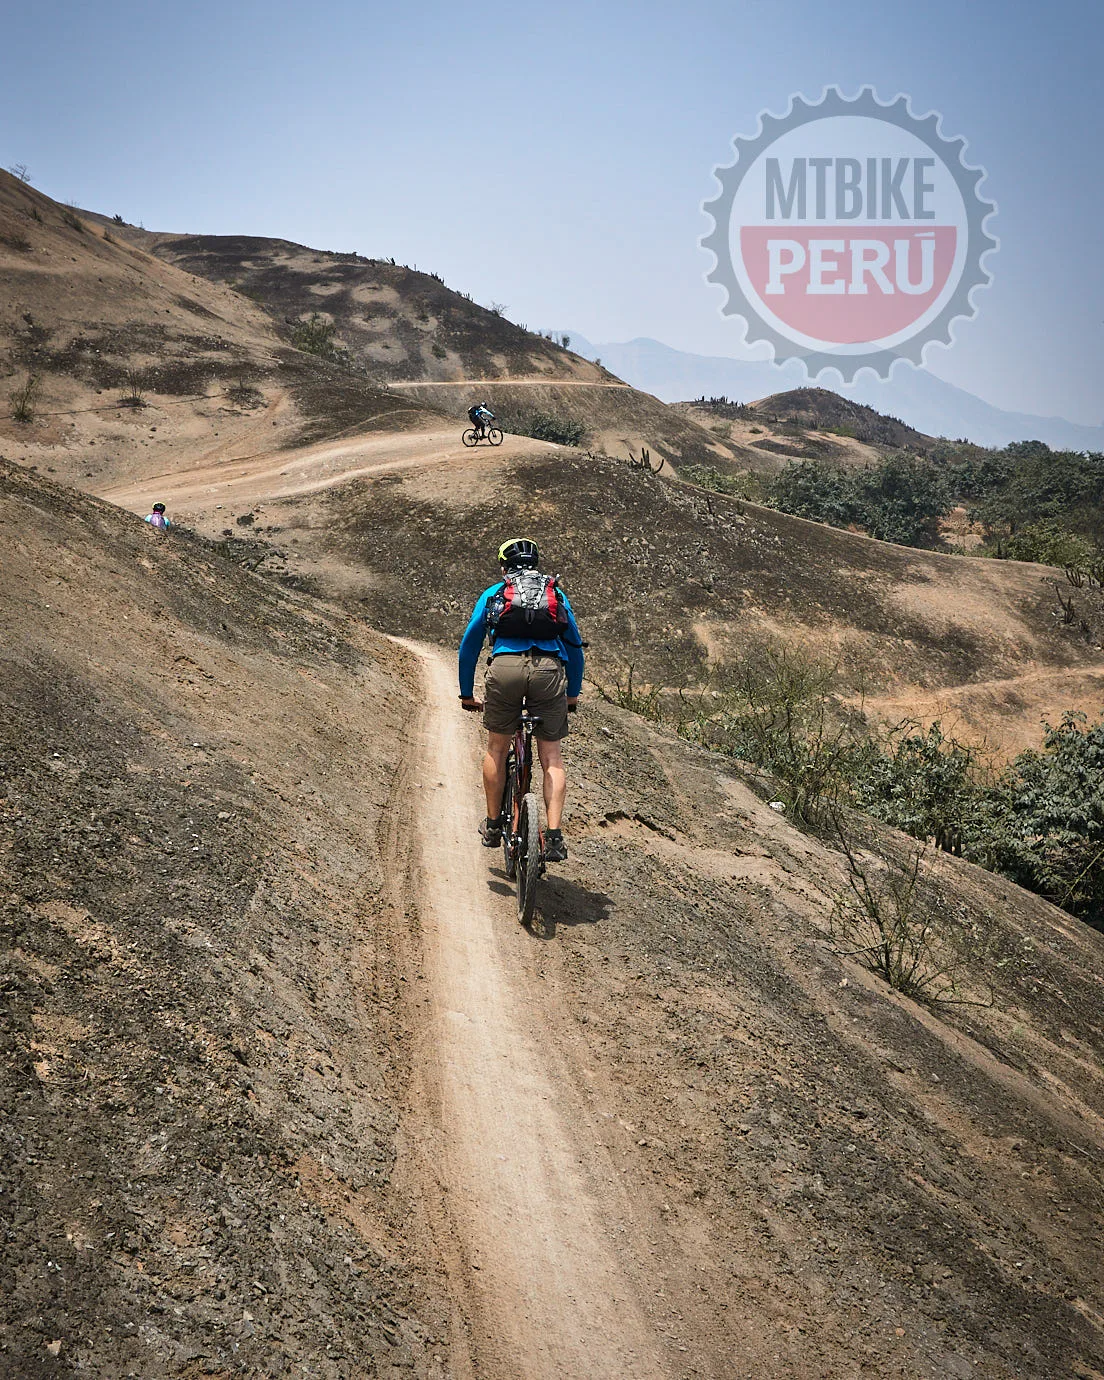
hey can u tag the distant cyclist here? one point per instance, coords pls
(158, 519)
(536, 657)
(480, 417)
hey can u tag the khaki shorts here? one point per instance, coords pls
(538, 678)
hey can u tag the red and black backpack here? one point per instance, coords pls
(528, 604)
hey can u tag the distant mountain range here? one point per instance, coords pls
(915, 396)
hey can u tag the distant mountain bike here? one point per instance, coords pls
(522, 836)
(475, 434)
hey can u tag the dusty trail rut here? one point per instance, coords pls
(288, 473)
(544, 382)
(529, 1194)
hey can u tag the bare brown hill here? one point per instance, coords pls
(406, 329)
(141, 366)
(396, 322)
(204, 1055)
(804, 424)
(264, 993)
(765, 447)
(819, 409)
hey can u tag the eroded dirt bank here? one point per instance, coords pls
(205, 1047)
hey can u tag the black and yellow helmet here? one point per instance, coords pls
(518, 551)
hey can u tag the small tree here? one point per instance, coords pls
(23, 400)
(315, 336)
(894, 929)
(812, 491)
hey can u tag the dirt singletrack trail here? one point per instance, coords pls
(538, 382)
(530, 1197)
(278, 474)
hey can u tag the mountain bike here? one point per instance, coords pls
(474, 435)
(522, 836)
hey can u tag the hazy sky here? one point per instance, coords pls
(554, 157)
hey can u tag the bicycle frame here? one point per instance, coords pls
(520, 768)
(521, 759)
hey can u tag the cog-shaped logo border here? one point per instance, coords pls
(949, 151)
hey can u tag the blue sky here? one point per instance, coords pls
(554, 157)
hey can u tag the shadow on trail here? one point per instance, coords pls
(559, 902)
(564, 902)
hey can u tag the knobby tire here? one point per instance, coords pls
(469, 437)
(494, 436)
(528, 859)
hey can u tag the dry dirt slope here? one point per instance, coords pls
(92, 316)
(204, 1049)
(224, 1115)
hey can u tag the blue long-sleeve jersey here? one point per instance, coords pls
(569, 648)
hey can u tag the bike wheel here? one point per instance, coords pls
(509, 853)
(494, 436)
(528, 859)
(470, 438)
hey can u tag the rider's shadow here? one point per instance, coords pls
(560, 901)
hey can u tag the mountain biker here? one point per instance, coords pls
(480, 417)
(544, 671)
(158, 519)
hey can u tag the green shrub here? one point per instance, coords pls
(920, 782)
(1028, 483)
(899, 500)
(775, 708)
(811, 490)
(748, 486)
(547, 426)
(1050, 542)
(315, 336)
(1045, 820)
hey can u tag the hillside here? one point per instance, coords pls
(819, 409)
(236, 1048)
(672, 580)
(408, 331)
(203, 1058)
(396, 322)
(803, 424)
(286, 1089)
(140, 365)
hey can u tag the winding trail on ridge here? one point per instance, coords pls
(531, 1196)
(270, 475)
